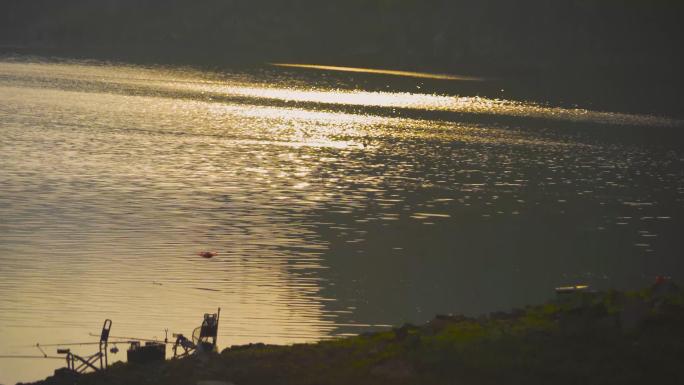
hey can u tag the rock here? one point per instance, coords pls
(409, 335)
(403, 332)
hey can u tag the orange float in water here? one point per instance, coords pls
(207, 254)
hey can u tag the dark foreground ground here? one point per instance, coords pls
(583, 338)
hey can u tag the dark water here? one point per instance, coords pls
(336, 203)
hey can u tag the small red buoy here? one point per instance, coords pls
(207, 254)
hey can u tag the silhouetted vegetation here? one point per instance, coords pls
(588, 338)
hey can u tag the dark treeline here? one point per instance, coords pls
(567, 41)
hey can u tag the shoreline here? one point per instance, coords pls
(582, 337)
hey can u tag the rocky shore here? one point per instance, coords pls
(580, 337)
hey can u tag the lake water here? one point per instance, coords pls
(337, 203)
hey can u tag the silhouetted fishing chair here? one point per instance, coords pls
(205, 335)
(78, 364)
(203, 338)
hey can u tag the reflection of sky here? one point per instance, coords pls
(207, 86)
(325, 221)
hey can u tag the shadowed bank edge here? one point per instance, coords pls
(580, 337)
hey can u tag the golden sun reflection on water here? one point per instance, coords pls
(266, 125)
(432, 102)
(202, 85)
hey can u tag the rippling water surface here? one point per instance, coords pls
(333, 207)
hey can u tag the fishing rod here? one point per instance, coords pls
(124, 340)
(27, 356)
(131, 339)
(64, 344)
